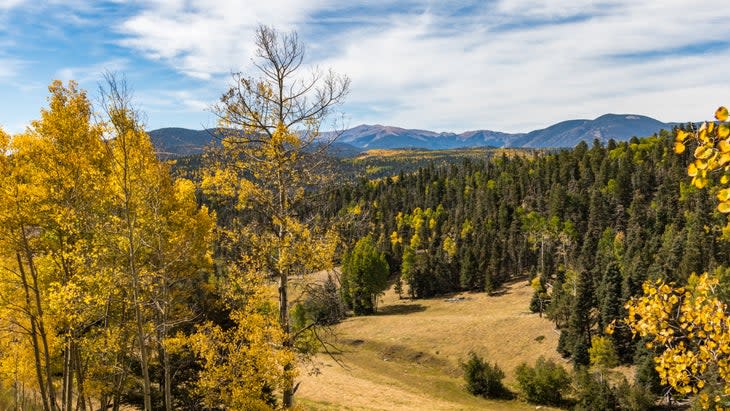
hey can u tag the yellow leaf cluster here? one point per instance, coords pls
(711, 155)
(88, 218)
(693, 327)
(245, 360)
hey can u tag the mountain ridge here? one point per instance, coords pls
(181, 141)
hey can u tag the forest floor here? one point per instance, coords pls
(406, 357)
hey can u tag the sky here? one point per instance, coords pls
(506, 65)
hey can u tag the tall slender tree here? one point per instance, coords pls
(271, 153)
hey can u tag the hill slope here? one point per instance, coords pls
(609, 126)
(175, 141)
(180, 141)
(407, 356)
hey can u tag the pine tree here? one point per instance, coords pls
(580, 320)
(364, 276)
(611, 309)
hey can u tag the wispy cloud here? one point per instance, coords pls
(10, 4)
(511, 64)
(210, 37)
(10, 68)
(517, 79)
(93, 73)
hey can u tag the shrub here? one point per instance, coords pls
(323, 303)
(646, 373)
(543, 384)
(565, 343)
(634, 397)
(594, 394)
(602, 353)
(322, 306)
(482, 378)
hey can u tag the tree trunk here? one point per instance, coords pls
(542, 257)
(42, 331)
(67, 391)
(288, 397)
(80, 378)
(147, 390)
(162, 334)
(33, 336)
(288, 394)
(168, 382)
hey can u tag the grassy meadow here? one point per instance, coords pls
(407, 356)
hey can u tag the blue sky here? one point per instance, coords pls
(508, 65)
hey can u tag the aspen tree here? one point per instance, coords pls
(270, 159)
(689, 326)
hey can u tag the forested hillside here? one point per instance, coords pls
(105, 249)
(589, 225)
(364, 206)
(125, 286)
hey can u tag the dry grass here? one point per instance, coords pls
(407, 357)
(477, 152)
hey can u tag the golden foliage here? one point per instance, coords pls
(711, 156)
(689, 326)
(245, 362)
(66, 186)
(692, 328)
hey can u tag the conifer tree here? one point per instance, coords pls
(364, 276)
(611, 309)
(580, 320)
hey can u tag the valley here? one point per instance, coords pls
(390, 206)
(407, 355)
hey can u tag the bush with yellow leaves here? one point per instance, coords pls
(689, 326)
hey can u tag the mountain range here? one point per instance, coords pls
(181, 141)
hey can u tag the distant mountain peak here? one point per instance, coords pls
(377, 136)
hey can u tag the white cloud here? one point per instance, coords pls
(10, 4)
(175, 100)
(93, 73)
(10, 67)
(512, 65)
(210, 37)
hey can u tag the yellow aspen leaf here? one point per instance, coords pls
(721, 113)
(724, 194)
(723, 131)
(692, 170)
(713, 163)
(679, 147)
(710, 127)
(703, 152)
(723, 160)
(699, 182)
(700, 164)
(723, 146)
(681, 135)
(724, 207)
